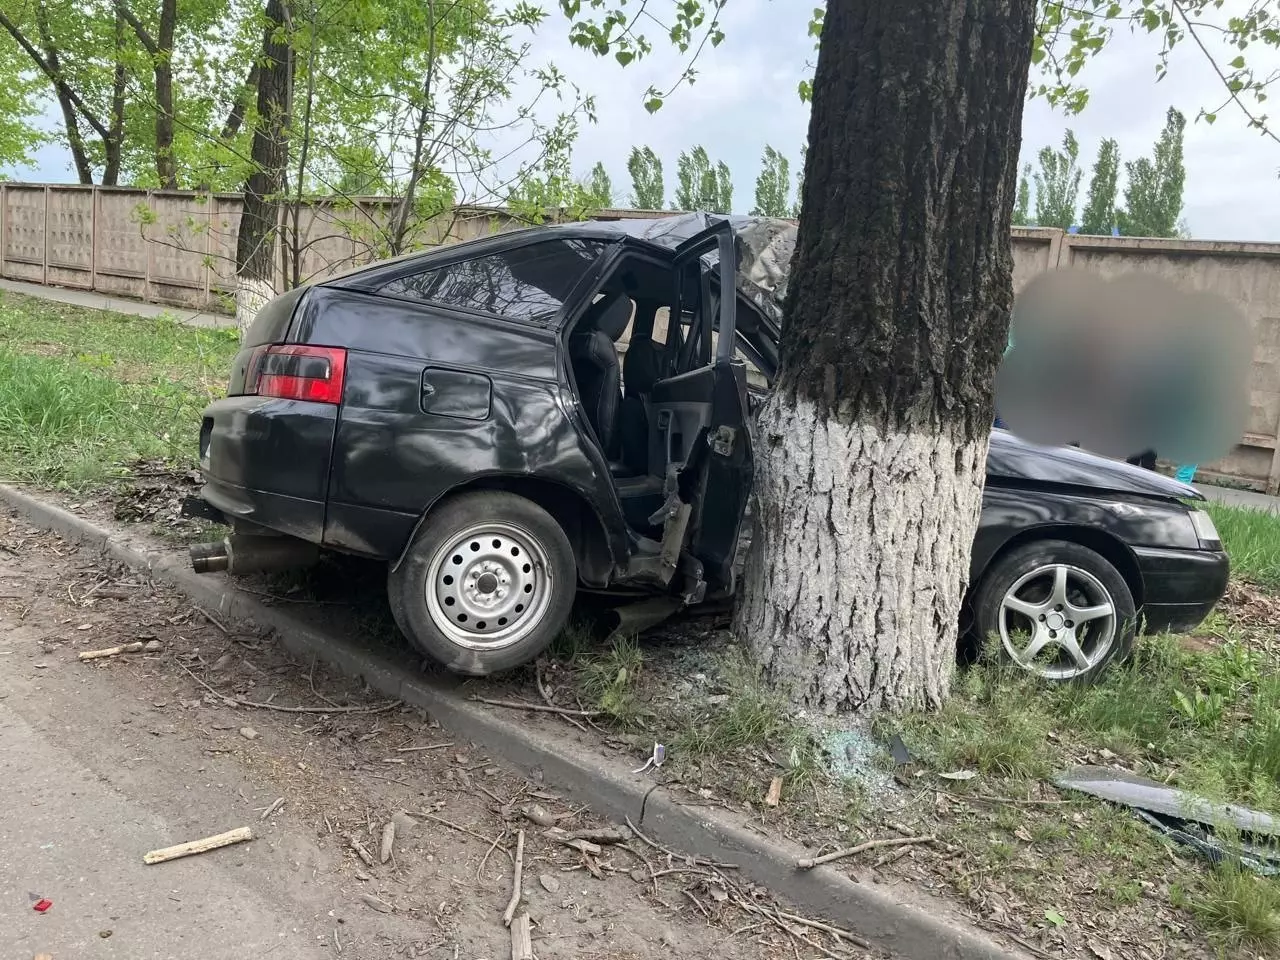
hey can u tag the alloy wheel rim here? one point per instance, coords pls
(1057, 621)
(489, 586)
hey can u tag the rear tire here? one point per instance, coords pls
(487, 583)
(1057, 609)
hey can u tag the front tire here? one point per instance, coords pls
(486, 585)
(1057, 609)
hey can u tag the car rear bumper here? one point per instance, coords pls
(274, 511)
(1180, 587)
(266, 461)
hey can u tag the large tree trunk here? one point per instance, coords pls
(871, 452)
(260, 219)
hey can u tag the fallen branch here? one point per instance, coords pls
(697, 861)
(388, 841)
(516, 891)
(604, 835)
(808, 863)
(361, 851)
(546, 696)
(238, 701)
(429, 746)
(537, 707)
(424, 815)
(137, 646)
(279, 802)
(239, 835)
(521, 941)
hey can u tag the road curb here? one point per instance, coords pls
(908, 930)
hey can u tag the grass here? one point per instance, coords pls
(1245, 907)
(84, 393)
(1252, 538)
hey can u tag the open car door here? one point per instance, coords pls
(717, 474)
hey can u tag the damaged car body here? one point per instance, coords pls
(467, 416)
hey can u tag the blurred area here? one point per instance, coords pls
(1130, 367)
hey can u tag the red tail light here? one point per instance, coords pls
(298, 372)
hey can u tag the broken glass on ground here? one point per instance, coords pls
(1185, 818)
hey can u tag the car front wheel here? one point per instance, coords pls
(486, 585)
(1057, 609)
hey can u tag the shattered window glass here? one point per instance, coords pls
(529, 282)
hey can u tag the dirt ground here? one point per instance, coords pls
(158, 733)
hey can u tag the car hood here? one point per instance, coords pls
(1011, 458)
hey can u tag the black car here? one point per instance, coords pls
(465, 415)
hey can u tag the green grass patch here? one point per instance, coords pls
(84, 393)
(1243, 908)
(1252, 539)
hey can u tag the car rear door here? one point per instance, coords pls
(718, 465)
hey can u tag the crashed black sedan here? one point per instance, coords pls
(467, 416)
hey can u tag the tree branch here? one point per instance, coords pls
(143, 35)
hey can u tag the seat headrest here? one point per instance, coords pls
(613, 316)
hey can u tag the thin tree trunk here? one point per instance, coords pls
(260, 219)
(160, 49)
(400, 216)
(871, 451)
(113, 140)
(166, 168)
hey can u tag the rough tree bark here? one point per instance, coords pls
(871, 451)
(260, 219)
(160, 49)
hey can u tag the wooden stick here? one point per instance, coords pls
(429, 746)
(808, 863)
(516, 892)
(388, 840)
(279, 802)
(361, 851)
(521, 942)
(698, 861)
(424, 815)
(239, 835)
(546, 697)
(271, 706)
(537, 707)
(774, 796)
(135, 647)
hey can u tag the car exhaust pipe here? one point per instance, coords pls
(242, 553)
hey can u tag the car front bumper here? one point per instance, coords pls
(1180, 587)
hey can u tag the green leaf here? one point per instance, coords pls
(1238, 62)
(653, 104)
(1210, 117)
(1054, 917)
(624, 57)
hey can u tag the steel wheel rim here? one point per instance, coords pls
(489, 586)
(1058, 621)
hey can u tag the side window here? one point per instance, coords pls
(524, 283)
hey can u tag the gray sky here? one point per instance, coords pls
(745, 97)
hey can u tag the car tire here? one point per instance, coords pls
(1057, 609)
(487, 583)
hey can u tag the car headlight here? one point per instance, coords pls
(1202, 523)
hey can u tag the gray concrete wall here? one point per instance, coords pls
(179, 248)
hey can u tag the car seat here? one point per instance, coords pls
(596, 367)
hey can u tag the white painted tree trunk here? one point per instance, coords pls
(251, 296)
(859, 560)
